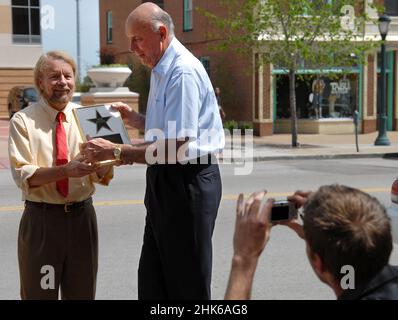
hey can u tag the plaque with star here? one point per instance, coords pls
(101, 121)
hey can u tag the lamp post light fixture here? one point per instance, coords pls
(382, 139)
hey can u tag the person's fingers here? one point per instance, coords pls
(95, 166)
(79, 157)
(299, 198)
(104, 141)
(249, 202)
(120, 106)
(265, 211)
(89, 154)
(85, 166)
(240, 206)
(99, 142)
(263, 199)
(295, 198)
(117, 105)
(302, 193)
(119, 163)
(255, 207)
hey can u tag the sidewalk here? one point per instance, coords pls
(278, 147)
(321, 146)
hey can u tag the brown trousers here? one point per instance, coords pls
(58, 250)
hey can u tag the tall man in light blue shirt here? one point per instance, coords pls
(183, 132)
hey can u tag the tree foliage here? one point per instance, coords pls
(299, 34)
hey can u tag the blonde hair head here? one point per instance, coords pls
(51, 55)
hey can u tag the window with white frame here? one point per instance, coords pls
(109, 35)
(26, 21)
(188, 23)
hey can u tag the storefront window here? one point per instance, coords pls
(391, 7)
(318, 97)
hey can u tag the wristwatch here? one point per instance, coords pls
(117, 152)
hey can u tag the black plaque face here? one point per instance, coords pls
(101, 121)
(115, 138)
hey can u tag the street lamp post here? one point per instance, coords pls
(382, 139)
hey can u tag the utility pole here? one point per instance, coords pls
(78, 40)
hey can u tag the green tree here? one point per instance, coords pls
(297, 34)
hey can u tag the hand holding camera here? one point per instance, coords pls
(252, 227)
(256, 215)
(299, 198)
(254, 220)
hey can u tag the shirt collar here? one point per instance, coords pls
(165, 61)
(52, 112)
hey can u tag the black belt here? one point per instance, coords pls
(206, 159)
(67, 207)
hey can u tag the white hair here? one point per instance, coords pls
(160, 18)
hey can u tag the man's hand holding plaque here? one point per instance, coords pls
(103, 131)
(101, 152)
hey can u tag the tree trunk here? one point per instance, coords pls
(293, 113)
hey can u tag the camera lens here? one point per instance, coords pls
(280, 213)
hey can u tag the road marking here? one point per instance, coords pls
(11, 209)
(227, 197)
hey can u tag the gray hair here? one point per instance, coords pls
(160, 18)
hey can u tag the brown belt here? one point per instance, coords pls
(67, 207)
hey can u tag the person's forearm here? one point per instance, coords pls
(139, 122)
(47, 175)
(240, 279)
(160, 152)
(134, 153)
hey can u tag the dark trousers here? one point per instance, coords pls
(176, 258)
(58, 250)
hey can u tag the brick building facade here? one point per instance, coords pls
(253, 94)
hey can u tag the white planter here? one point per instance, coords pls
(112, 77)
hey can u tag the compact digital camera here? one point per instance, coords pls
(283, 210)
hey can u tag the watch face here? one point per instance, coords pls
(117, 151)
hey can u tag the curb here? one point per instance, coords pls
(391, 155)
(315, 157)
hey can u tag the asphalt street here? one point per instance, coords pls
(283, 271)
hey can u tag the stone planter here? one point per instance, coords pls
(109, 88)
(109, 77)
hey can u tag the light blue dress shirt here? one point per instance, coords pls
(182, 104)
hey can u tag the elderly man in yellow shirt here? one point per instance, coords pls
(58, 238)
